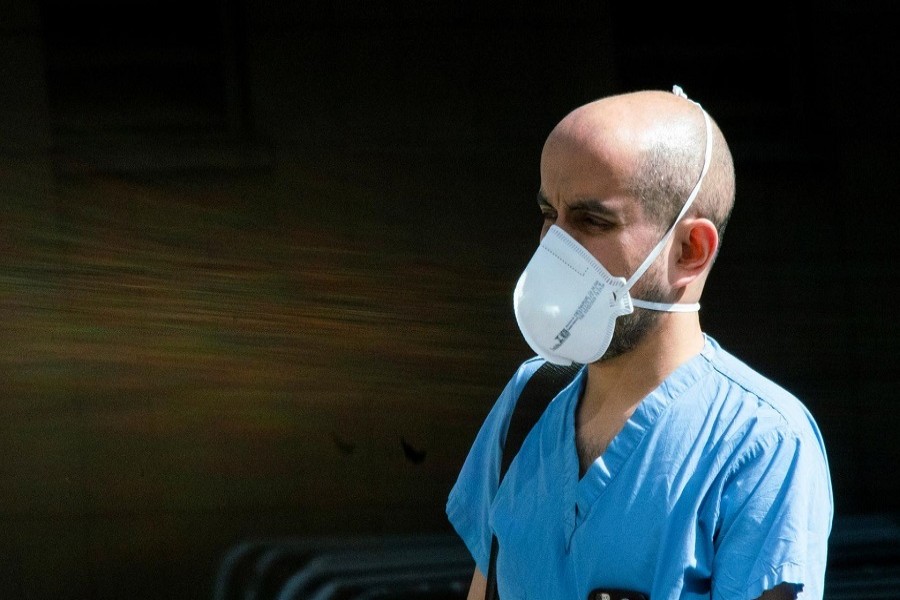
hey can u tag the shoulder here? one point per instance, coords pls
(525, 370)
(523, 373)
(760, 421)
(498, 416)
(764, 396)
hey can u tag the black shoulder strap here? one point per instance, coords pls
(539, 390)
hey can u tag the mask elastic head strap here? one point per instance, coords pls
(690, 200)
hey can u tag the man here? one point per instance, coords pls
(667, 466)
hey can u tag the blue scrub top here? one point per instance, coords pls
(716, 487)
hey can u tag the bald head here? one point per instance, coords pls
(629, 123)
(653, 143)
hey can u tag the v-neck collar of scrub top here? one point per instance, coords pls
(580, 494)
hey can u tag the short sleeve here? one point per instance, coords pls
(470, 499)
(775, 518)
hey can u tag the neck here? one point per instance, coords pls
(626, 379)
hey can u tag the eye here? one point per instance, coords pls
(601, 223)
(595, 222)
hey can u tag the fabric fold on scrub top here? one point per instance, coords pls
(716, 460)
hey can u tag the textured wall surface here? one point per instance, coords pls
(257, 258)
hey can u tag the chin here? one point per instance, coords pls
(630, 331)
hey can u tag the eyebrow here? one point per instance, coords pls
(591, 205)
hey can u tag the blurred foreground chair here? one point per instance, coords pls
(863, 564)
(392, 567)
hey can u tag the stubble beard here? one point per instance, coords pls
(631, 329)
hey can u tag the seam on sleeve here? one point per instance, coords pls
(792, 573)
(461, 520)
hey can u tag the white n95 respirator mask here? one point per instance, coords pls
(566, 303)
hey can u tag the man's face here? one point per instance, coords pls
(583, 192)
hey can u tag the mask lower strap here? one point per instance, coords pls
(664, 307)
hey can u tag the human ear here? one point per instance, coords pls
(696, 244)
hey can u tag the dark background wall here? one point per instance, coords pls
(256, 255)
